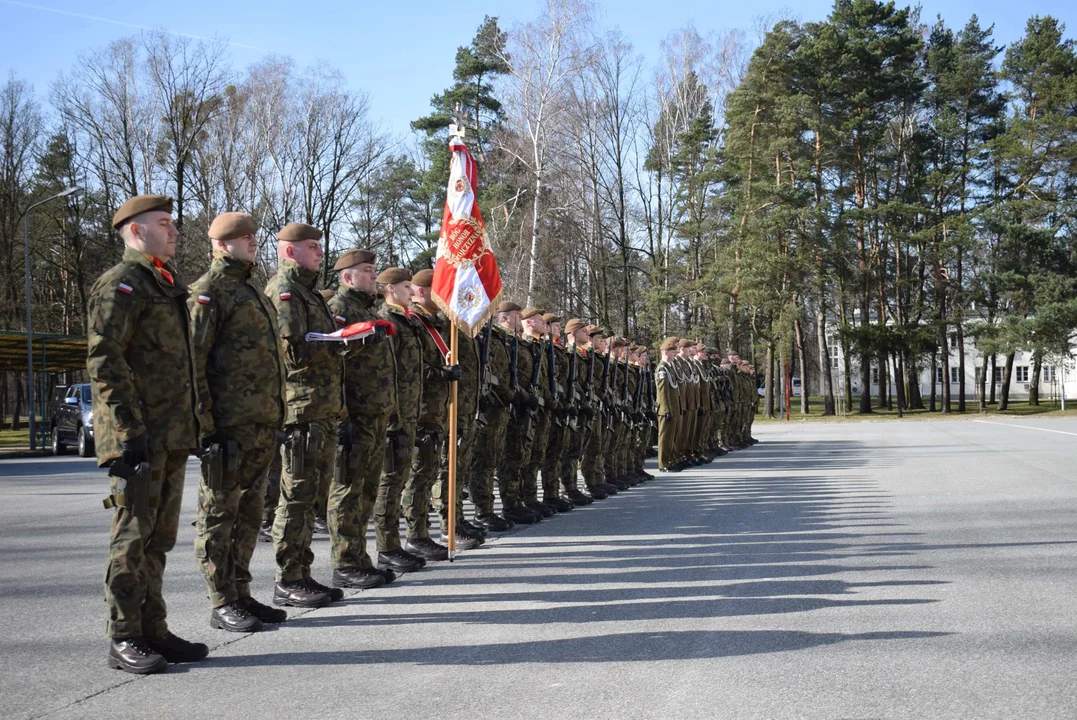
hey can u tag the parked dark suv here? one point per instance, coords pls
(72, 421)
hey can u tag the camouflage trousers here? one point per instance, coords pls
(391, 486)
(425, 468)
(303, 470)
(226, 527)
(489, 444)
(465, 444)
(616, 451)
(556, 449)
(517, 453)
(272, 486)
(569, 466)
(592, 459)
(137, 550)
(353, 492)
(543, 424)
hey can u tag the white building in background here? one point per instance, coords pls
(1058, 376)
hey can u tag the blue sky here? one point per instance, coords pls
(400, 52)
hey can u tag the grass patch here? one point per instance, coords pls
(1016, 409)
(17, 438)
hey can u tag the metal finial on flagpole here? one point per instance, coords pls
(456, 128)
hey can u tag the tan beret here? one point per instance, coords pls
(574, 324)
(593, 330)
(354, 257)
(508, 306)
(669, 343)
(423, 278)
(392, 275)
(530, 312)
(327, 293)
(140, 204)
(297, 232)
(551, 318)
(232, 225)
(619, 342)
(685, 343)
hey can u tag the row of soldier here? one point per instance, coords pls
(246, 376)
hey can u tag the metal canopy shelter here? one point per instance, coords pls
(52, 353)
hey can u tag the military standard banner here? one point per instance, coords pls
(466, 281)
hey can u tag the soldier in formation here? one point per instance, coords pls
(295, 432)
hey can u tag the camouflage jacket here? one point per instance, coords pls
(562, 357)
(407, 366)
(537, 351)
(139, 359)
(236, 347)
(524, 363)
(314, 389)
(498, 364)
(368, 369)
(434, 406)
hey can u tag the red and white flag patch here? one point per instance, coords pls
(125, 288)
(285, 296)
(204, 299)
(341, 320)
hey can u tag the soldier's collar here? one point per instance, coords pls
(367, 299)
(233, 264)
(293, 270)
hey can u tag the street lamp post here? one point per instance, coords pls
(29, 325)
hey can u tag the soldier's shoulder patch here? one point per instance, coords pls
(341, 320)
(285, 295)
(124, 288)
(204, 299)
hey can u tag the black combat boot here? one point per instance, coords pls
(398, 561)
(426, 549)
(234, 617)
(471, 530)
(494, 523)
(266, 614)
(541, 508)
(134, 655)
(356, 577)
(178, 650)
(464, 542)
(334, 593)
(522, 516)
(598, 492)
(578, 498)
(300, 594)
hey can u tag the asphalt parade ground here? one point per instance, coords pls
(857, 570)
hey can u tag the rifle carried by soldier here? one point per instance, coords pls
(487, 380)
(604, 394)
(572, 399)
(557, 410)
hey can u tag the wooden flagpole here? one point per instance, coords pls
(453, 389)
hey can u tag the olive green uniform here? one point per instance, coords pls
(542, 420)
(432, 425)
(142, 376)
(557, 444)
(240, 374)
(314, 403)
(520, 431)
(490, 438)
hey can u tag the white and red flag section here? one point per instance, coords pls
(466, 281)
(353, 332)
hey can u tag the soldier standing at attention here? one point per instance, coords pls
(368, 397)
(408, 369)
(236, 347)
(541, 419)
(668, 406)
(520, 433)
(495, 404)
(314, 403)
(142, 375)
(592, 459)
(557, 445)
(433, 419)
(580, 413)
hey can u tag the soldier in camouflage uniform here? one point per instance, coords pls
(314, 404)
(592, 459)
(495, 405)
(556, 445)
(433, 420)
(368, 397)
(240, 377)
(579, 411)
(142, 375)
(534, 332)
(520, 432)
(468, 535)
(408, 370)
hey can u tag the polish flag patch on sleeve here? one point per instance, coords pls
(125, 288)
(341, 320)
(204, 299)
(285, 296)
